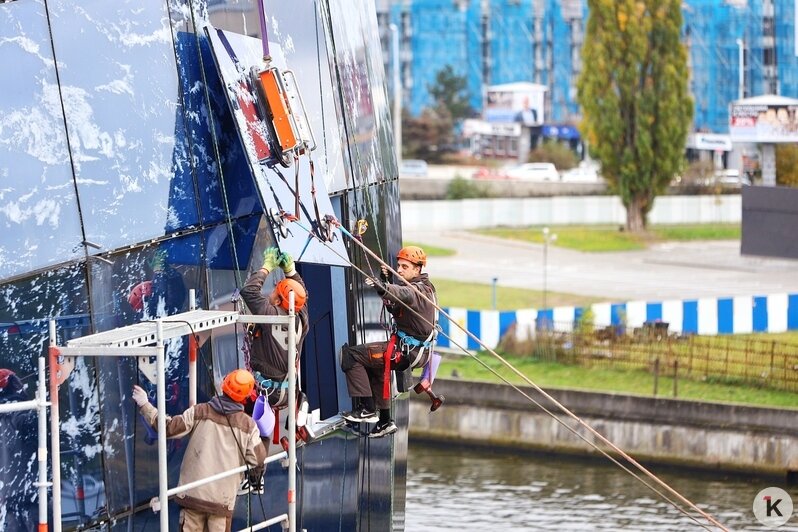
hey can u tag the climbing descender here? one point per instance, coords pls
(361, 226)
(278, 219)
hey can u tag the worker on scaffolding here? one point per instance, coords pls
(268, 344)
(367, 367)
(223, 437)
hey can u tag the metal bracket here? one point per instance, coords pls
(147, 366)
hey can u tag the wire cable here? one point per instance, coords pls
(537, 388)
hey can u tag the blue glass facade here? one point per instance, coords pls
(125, 183)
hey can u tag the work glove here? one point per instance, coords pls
(140, 396)
(377, 285)
(287, 264)
(271, 258)
(385, 275)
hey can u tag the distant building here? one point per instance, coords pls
(493, 42)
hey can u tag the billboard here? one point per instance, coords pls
(515, 103)
(764, 122)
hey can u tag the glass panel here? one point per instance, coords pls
(360, 75)
(124, 119)
(235, 56)
(140, 285)
(25, 307)
(39, 220)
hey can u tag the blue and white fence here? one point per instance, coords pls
(707, 316)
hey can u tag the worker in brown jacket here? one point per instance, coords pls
(367, 367)
(223, 437)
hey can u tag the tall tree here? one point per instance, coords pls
(634, 98)
(451, 91)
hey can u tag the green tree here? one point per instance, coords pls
(634, 98)
(423, 137)
(451, 91)
(787, 165)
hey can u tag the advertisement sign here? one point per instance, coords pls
(520, 103)
(764, 123)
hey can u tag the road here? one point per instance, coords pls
(674, 270)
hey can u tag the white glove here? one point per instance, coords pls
(140, 396)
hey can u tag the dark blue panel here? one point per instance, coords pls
(725, 316)
(25, 307)
(690, 317)
(653, 311)
(320, 354)
(545, 320)
(443, 337)
(39, 221)
(760, 317)
(506, 318)
(792, 312)
(473, 325)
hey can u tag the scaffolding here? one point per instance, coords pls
(145, 341)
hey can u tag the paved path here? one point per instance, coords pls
(677, 270)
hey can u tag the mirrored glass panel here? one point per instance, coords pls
(124, 119)
(296, 190)
(39, 221)
(360, 75)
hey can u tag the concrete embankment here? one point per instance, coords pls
(658, 430)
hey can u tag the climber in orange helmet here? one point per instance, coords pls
(367, 367)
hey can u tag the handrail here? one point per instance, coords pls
(7, 408)
(266, 524)
(218, 476)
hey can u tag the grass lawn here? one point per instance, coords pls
(601, 238)
(478, 296)
(432, 251)
(550, 374)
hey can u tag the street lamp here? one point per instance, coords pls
(397, 93)
(741, 69)
(493, 298)
(548, 237)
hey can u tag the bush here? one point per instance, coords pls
(460, 188)
(560, 155)
(787, 165)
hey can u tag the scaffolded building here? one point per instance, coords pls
(737, 48)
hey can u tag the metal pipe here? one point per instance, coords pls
(192, 299)
(397, 94)
(291, 413)
(218, 476)
(7, 408)
(55, 432)
(41, 399)
(192, 370)
(266, 524)
(741, 69)
(163, 479)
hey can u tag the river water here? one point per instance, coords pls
(468, 490)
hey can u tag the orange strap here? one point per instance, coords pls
(276, 433)
(387, 357)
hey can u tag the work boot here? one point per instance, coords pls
(383, 428)
(361, 415)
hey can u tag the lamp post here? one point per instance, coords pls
(741, 69)
(397, 93)
(493, 294)
(548, 237)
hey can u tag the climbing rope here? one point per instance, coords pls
(537, 388)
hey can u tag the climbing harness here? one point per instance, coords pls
(559, 406)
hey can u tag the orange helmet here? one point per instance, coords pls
(413, 254)
(285, 287)
(238, 384)
(137, 295)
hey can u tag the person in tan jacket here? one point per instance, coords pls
(223, 437)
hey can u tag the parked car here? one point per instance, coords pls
(584, 173)
(413, 168)
(731, 177)
(535, 172)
